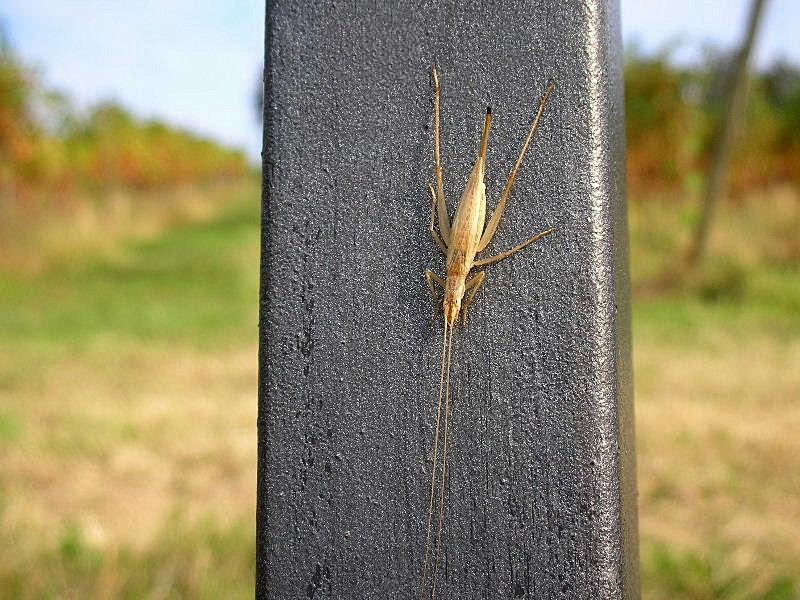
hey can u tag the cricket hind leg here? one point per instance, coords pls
(494, 221)
(441, 200)
(503, 255)
(434, 235)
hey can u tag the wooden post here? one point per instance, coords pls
(541, 496)
(735, 100)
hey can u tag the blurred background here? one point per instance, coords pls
(129, 243)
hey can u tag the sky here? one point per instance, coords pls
(196, 63)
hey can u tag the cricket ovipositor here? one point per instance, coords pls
(460, 242)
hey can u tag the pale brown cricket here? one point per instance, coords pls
(460, 243)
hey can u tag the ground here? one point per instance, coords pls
(127, 410)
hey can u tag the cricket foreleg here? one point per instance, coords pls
(432, 279)
(472, 286)
(503, 255)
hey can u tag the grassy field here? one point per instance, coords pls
(127, 411)
(717, 369)
(127, 416)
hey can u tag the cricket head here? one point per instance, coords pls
(452, 302)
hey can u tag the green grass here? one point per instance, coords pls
(196, 285)
(676, 319)
(185, 560)
(708, 575)
(749, 284)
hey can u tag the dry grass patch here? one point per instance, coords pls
(92, 227)
(718, 450)
(114, 443)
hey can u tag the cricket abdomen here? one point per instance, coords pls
(464, 237)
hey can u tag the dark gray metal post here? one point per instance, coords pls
(542, 500)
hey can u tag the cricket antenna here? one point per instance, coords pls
(445, 435)
(440, 409)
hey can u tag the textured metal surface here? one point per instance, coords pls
(542, 493)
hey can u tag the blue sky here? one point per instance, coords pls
(196, 62)
(653, 23)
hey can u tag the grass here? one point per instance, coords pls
(717, 382)
(195, 284)
(79, 228)
(127, 420)
(197, 560)
(711, 574)
(127, 413)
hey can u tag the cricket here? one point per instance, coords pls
(460, 242)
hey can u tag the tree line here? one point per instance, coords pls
(48, 146)
(672, 114)
(50, 149)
